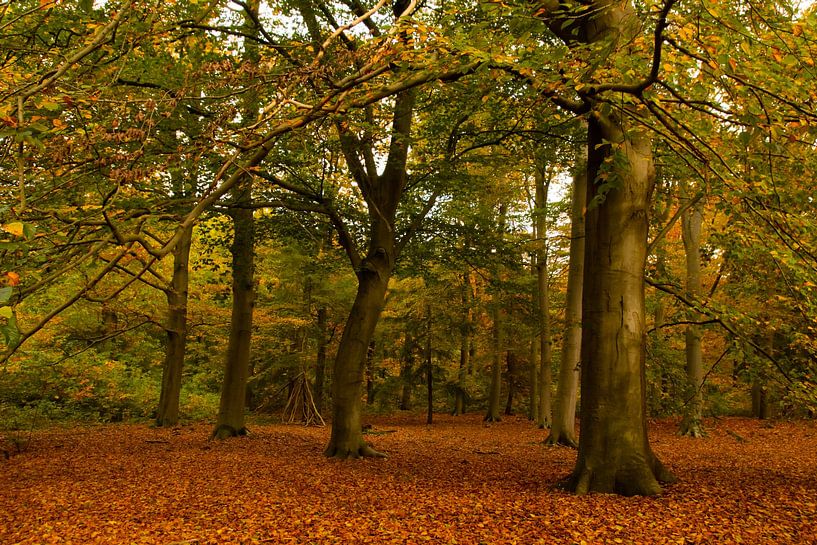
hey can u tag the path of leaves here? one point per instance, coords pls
(454, 482)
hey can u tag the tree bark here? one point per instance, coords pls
(614, 452)
(543, 300)
(533, 377)
(429, 369)
(691, 221)
(407, 372)
(382, 193)
(320, 359)
(346, 440)
(167, 413)
(230, 422)
(563, 430)
(370, 374)
(465, 345)
(511, 362)
(495, 387)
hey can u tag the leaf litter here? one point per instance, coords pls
(455, 482)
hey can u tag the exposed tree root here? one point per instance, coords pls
(636, 477)
(492, 418)
(363, 450)
(225, 431)
(692, 427)
(563, 439)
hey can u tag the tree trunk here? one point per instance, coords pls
(533, 370)
(543, 300)
(230, 422)
(406, 372)
(761, 406)
(511, 362)
(465, 345)
(563, 430)
(347, 438)
(495, 387)
(370, 374)
(691, 222)
(614, 452)
(320, 360)
(382, 193)
(533, 355)
(167, 413)
(429, 369)
(494, 390)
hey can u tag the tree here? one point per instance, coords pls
(691, 222)
(230, 421)
(542, 181)
(614, 451)
(563, 429)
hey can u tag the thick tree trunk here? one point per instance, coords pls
(230, 422)
(563, 430)
(167, 413)
(543, 300)
(320, 359)
(691, 222)
(614, 452)
(347, 438)
(407, 372)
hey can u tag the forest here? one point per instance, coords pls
(524, 257)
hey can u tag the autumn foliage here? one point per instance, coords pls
(457, 481)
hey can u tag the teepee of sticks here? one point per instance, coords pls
(301, 405)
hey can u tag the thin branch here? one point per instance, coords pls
(691, 303)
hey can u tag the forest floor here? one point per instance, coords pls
(455, 482)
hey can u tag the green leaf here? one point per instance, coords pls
(6, 312)
(5, 293)
(29, 231)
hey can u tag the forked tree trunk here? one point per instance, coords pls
(691, 222)
(382, 193)
(167, 413)
(230, 422)
(563, 430)
(543, 300)
(614, 452)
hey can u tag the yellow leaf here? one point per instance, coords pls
(15, 228)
